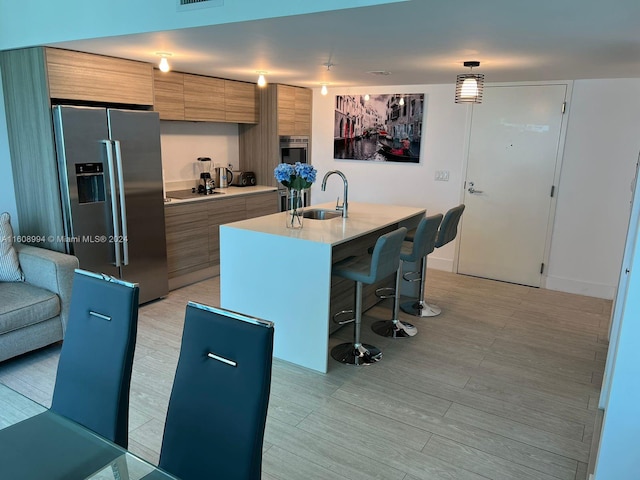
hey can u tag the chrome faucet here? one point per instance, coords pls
(345, 204)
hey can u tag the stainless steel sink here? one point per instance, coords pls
(321, 214)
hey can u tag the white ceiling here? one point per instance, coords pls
(419, 42)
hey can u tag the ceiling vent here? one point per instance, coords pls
(380, 72)
(184, 5)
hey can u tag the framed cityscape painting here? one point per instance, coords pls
(379, 128)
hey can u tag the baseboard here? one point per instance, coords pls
(579, 287)
(193, 277)
(595, 443)
(445, 264)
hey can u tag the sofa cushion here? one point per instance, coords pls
(22, 304)
(9, 266)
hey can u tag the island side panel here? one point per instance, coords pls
(284, 280)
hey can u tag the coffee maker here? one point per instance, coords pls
(206, 184)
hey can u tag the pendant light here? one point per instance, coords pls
(164, 63)
(469, 86)
(324, 90)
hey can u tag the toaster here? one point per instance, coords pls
(243, 179)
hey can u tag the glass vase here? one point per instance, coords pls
(295, 208)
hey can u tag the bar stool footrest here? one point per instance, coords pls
(391, 329)
(349, 354)
(412, 276)
(385, 292)
(418, 309)
(336, 317)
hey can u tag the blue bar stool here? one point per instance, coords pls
(365, 269)
(447, 231)
(420, 244)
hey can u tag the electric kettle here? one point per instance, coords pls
(223, 177)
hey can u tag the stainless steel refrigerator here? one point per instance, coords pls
(111, 185)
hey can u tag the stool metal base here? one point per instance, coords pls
(389, 328)
(420, 309)
(349, 354)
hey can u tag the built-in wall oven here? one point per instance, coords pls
(293, 149)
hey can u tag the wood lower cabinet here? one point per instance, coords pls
(192, 229)
(262, 204)
(187, 234)
(96, 78)
(221, 212)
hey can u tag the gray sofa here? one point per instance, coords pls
(34, 313)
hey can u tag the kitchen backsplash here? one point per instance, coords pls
(182, 144)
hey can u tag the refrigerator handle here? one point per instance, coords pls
(114, 207)
(123, 205)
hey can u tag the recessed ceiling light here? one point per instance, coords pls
(380, 72)
(164, 63)
(261, 80)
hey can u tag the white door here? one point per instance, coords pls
(513, 152)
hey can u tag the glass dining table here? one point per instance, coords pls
(38, 444)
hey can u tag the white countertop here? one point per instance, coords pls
(225, 193)
(363, 218)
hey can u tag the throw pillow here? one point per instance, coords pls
(9, 266)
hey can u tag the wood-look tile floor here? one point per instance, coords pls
(504, 384)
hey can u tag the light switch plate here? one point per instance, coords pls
(442, 175)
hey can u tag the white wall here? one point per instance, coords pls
(619, 451)
(183, 142)
(442, 148)
(7, 193)
(601, 150)
(593, 196)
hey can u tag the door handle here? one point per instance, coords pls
(114, 209)
(123, 205)
(471, 189)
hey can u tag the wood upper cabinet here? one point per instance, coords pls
(304, 99)
(168, 95)
(183, 96)
(294, 110)
(241, 102)
(204, 98)
(96, 78)
(286, 108)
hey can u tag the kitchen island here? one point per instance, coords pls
(284, 275)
